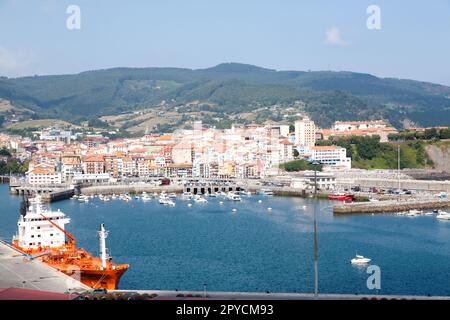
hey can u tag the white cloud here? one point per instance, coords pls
(12, 64)
(334, 37)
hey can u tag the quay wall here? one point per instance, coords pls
(137, 188)
(58, 195)
(425, 185)
(391, 206)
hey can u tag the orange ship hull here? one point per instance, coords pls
(80, 265)
(105, 279)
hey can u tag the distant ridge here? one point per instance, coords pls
(232, 88)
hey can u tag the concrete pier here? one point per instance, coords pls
(17, 271)
(129, 188)
(170, 294)
(391, 206)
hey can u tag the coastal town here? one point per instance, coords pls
(291, 158)
(58, 156)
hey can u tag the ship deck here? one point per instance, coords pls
(16, 271)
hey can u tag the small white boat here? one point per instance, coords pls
(234, 197)
(265, 192)
(442, 215)
(170, 203)
(360, 260)
(269, 209)
(83, 198)
(412, 213)
(186, 196)
(172, 195)
(199, 199)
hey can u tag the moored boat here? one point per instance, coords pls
(340, 197)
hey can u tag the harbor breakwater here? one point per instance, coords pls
(391, 206)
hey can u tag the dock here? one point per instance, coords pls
(391, 206)
(222, 295)
(18, 271)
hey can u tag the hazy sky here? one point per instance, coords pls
(414, 40)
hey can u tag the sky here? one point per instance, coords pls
(412, 43)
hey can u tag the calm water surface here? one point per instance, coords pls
(255, 249)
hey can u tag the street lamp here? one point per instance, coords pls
(315, 163)
(316, 257)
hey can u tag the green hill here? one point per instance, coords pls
(231, 88)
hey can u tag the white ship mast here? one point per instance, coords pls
(103, 234)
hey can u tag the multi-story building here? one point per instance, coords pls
(70, 165)
(305, 132)
(43, 174)
(359, 128)
(357, 125)
(94, 164)
(327, 155)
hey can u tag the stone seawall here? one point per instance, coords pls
(390, 206)
(120, 189)
(420, 185)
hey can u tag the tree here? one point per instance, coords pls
(5, 152)
(299, 165)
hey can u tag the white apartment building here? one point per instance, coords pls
(305, 132)
(358, 125)
(327, 155)
(43, 174)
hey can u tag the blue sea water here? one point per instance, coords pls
(255, 249)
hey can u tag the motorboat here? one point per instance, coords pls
(172, 195)
(234, 197)
(413, 213)
(186, 196)
(358, 259)
(170, 203)
(340, 197)
(265, 192)
(199, 199)
(442, 215)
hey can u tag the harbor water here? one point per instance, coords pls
(256, 249)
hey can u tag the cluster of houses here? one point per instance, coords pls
(245, 151)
